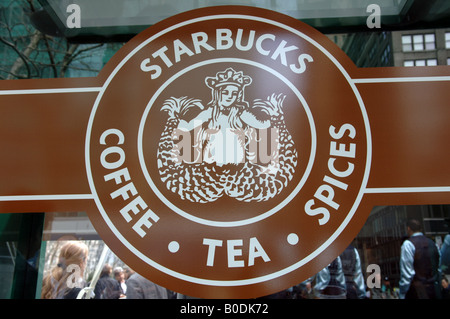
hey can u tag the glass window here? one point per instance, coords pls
(431, 62)
(430, 43)
(386, 55)
(93, 264)
(418, 42)
(420, 62)
(407, 43)
(20, 244)
(447, 40)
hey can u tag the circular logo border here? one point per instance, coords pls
(241, 282)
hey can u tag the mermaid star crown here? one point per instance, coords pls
(228, 77)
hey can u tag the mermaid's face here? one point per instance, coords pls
(228, 95)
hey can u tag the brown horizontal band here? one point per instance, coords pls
(43, 129)
(408, 118)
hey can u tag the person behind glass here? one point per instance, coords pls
(127, 271)
(304, 290)
(445, 256)
(419, 265)
(354, 280)
(139, 287)
(445, 288)
(119, 275)
(330, 281)
(107, 287)
(65, 280)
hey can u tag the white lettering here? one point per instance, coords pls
(133, 206)
(74, 19)
(373, 20)
(223, 39)
(263, 149)
(255, 250)
(123, 191)
(335, 182)
(244, 40)
(234, 250)
(112, 164)
(197, 309)
(374, 279)
(199, 40)
(328, 198)
(302, 58)
(342, 130)
(326, 192)
(117, 176)
(112, 131)
(120, 176)
(212, 244)
(341, 150)
(146, 67)
(74, 280)
(179, 49)
(337, 173)
(249, 45)
(317, 211)
(161, 53)
(281, 52)
(144, 220)
(259, 47)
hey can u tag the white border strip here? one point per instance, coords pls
(403, 79)
(13, 198)
(393, 190)
(50, 91)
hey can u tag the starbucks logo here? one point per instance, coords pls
(227, 152)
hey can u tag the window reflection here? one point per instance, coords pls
(418, 42)
(396, 48)
(351, 275)
(78, 265)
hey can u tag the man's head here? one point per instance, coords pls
(119, 274)
(413, 226)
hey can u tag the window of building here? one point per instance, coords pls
(407, 43)
(385, 58)
(419, 42)
(430, 41)
(447, 40)
(420, 62)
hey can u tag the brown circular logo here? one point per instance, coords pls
(227, 151)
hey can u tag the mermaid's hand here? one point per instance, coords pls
(273, 105)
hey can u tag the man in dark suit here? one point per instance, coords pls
(419, 265)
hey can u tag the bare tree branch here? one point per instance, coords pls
(22, 60)
(50, 56)
(26, 56)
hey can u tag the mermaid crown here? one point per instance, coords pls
(228, 77)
